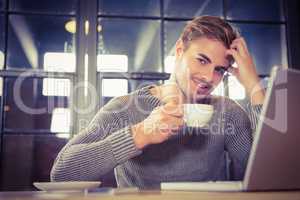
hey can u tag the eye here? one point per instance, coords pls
(202, 61)
(221, 70)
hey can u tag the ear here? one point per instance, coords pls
(178, 48)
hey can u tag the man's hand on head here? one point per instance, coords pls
(246, 70)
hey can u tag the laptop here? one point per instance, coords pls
(274, 161)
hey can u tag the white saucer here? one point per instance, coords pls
(70, 185)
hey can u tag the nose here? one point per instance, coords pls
(208, 74)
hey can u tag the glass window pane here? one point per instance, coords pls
(137, 39)
(2, 38)
(1, 60)
(112, 63)
(47, 6)
(219, 90)
(173, 30)
(255, 10)
(1, 87)
(27, 108)
(169, 64)
(31, 38)
(267, 44)
(59, 62)
(236, 90)
(60, 115)
(132, 85)
(129, 7)
(114, 87)
(56, 87)
(192, 8)
(172, 33)
(2, 4)
(138, 84)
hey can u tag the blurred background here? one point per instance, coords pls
(58, 58)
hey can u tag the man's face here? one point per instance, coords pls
(200, 68)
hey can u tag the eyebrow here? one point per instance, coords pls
(205, 57)
(208, 60)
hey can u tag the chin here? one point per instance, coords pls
(198, 98)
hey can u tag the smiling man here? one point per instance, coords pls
(143, 136)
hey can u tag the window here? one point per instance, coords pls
(129, 7)
(61, 121)
(219, 90)
(255, 10)
(112, 63)
(2, 4)
(169, 64)
(2, 39)
(236, 90)
(192, 8)
(1, 86)
(56, 87)
(45, 6)
(30, 105)
(33, 38)
(1, 60)
(139, 40)
(267, 45)
(59, 62)
(114, 87)
(172, 33)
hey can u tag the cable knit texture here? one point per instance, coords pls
(218, 151)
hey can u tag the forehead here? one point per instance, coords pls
(212, 48)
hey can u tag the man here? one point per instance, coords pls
(143, 135)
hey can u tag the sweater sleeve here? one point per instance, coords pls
(239, 130)
(104, 144)
(254, 114)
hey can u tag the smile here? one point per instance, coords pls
(202, 85)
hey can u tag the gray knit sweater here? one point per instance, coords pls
(194, 154)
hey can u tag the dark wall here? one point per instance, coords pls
(27, 159)
(293, 32)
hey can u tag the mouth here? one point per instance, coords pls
(202, 86)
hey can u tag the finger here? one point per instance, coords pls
(170, 126)
(176, 126)
(233, 71)
(234, 54)
(239, 44)
(244, 42)
(179, 122)
(172, 109)
(171, 93)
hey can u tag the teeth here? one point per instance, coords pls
(203, 86)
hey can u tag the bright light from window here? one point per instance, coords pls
(65, 62)
(1, 60)
(60, 122)
(219, 90)
(1, 86)
(56, 87)
(63, 135)
(236, 90)
(59, 62)
(114, 87)
(169, 64)
(112, 63)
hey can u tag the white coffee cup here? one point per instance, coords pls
(197, 115)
